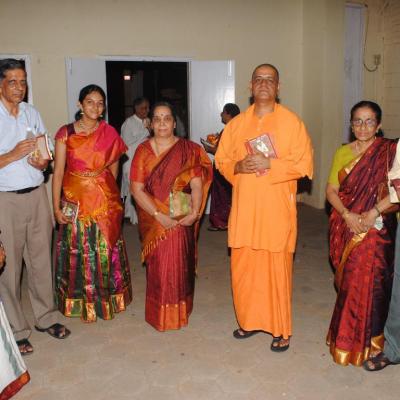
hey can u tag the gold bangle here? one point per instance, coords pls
(155, 213)
(345, 212)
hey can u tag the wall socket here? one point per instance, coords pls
(377, 59)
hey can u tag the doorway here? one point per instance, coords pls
(210, 84)
(155, 80)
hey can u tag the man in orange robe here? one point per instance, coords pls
(262, 226)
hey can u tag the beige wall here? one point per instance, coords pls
(383, 39)
(391, 70)
(323, 73)
(304, 39)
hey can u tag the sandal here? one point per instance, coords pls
(277, 345)
(242, 334)
(377, 363)
(25, 347)
(58, 331)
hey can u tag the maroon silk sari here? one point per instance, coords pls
(221, 198)
(363, 263)
(169, 254)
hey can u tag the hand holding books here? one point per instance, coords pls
(39, 158)
(68, 213)
(260, 150)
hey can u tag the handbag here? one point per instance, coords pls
(180, 204)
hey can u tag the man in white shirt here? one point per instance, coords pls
(134, 131)
(25, 218)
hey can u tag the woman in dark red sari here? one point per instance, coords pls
(164, 169)
(221, 189)
(361, 238)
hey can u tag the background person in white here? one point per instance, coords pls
(25, 218)
(133, 131)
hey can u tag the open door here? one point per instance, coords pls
(80, 73)
(212, 84)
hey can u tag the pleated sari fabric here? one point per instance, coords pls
(363, 262)
(169, 254)
(92, 276)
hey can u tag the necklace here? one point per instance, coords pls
(86, 128)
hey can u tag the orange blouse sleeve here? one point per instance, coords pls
(138, 167)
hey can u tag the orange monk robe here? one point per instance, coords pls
(262, 225)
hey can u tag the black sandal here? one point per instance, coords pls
(275, 345)
(25, 347)
(377, 363)
(242, 334)
(57, 330)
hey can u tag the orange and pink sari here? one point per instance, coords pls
(92, 276)
(169, 254)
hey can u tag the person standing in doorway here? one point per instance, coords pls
(134, 131)
(221, 189)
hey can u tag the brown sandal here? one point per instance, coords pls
(377, 363)
(25, 347)
(277, 345)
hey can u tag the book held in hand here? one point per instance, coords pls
(70, 209)
(263, 144)
(42, 148)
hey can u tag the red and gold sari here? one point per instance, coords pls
(363, 263)
(169, 254)
(92, 270)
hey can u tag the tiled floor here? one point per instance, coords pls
(127, 359)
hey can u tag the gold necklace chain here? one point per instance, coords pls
(86, 129)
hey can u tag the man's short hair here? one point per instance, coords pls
(231, 109)
(9, 64)
(265, 65)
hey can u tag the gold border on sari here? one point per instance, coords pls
(87, 311)
(356, 358)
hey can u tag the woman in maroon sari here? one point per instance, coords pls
(221, 189)
(361, 238)
(163, 169)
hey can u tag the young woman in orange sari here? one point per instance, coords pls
(361, 239)
(92, 270)
(162, 166)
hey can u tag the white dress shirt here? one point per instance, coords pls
(19, 174)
